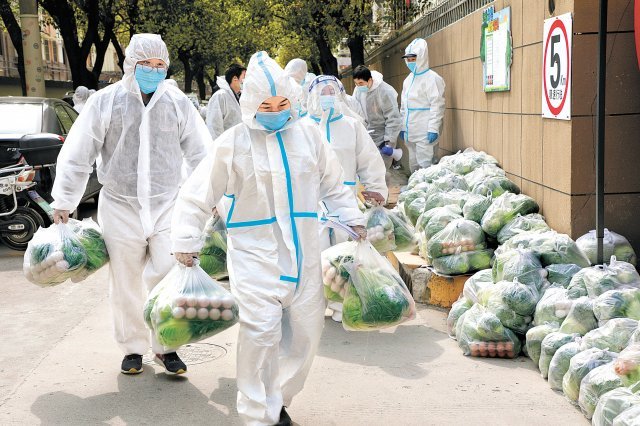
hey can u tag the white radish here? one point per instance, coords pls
(191, 313)
(178, 312)
(214, 314)
(227, 315)
(203, 313)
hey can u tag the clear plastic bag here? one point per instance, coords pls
(54, 255)
(476, 283)
(463, 263)
(213, 256)
(438, 219)
(476, 206)
(519, 264)
(415, 209)
(467, 161)
(375, 296)
(598, 382)
(618, 407)
(554, 306)
(512, 302)
(482, 173)
(459, 236)
(559, 364)
(458, 308)
(551, 247)
(579, 366)
(480, 333)
(441, 199)
(614, 335)
(189, 306)
(334, 272)
(404, 233)
(623, 303)
(495, 186)
(428, 175)
(615, 276)
(504, 209)
(613, 245)
(549, 346)
(90, 237)
(380, 230)
(533, 222)
(562, 273)
(580, 318)
(448, 183)
(534, 338)
(627, 366)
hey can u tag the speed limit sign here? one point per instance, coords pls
(556, 68)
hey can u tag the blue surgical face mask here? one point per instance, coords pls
(362, 89)
(327, 102)
(273, 120)
(411, 66)
(148, 81)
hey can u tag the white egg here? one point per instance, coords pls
(228, 302)
(544, 273)
(58, 255)
(203, 301)
(28, 275)
(561, 313)
(62, 266)
(214, 314)
(203, 313)
(215, 302)
(227, 315)
(181, 301)
(191, 313)
(192, 301)
(178, 312)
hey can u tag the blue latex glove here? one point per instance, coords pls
(386, 150)
(402, 135)
(432, 137)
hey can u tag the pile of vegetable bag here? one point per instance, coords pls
(613, 245)
(614, 276)
(495, 186)
(480, 333)
(334, 273)
(618, 407)
(550, 247)
(375, 296)
(627, 366)
(213, 256)
(64, 251)
(519, 264)
(580, 365)
(188, 306)
(614, 335)
(459, 248)
(512, 302)
(595, 384)
(504, 209)
(623, 303)
(533, 222)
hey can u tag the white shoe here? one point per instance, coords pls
(337, 316)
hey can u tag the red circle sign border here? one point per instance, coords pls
(556, 24)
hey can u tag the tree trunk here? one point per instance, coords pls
(356, 47)
(118, 48)
(11, 23)
(202, 88)
(315, 67)
(133, 11)
(328, 62)
(188, 74)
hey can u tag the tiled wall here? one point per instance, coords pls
(551, 160)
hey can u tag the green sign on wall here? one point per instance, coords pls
(495, 49)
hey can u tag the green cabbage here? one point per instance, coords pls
(559, 364)
(614, 335)
(562, 273)
(463, 263)
(598, 382)
(617, 275)
(404, 233)
(522, 224)
(618, 407)
(534, 338)
(213, 256)
(550, 345)
(173, 332)
(476, 283)
(441, 199)
(521, 265)
(495, 187)
(441, 217)
(415, 209)
(476, 206)
(513, 303)
(458, 308)
(482, 173)
(579, 366)
(580, 318)
(504, 209)
(623, 303)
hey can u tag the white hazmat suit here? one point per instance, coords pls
(297, 70)
(275, 181)
(422, 107)
(141, 151)
(80, 96)
(223, 109)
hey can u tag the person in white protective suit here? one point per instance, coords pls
(223, 110)
(379, 102)
(142, 128)
(422, 106)
(358, 155)
(355, 109)
(80, 96)
(297, 70)
(275, 169)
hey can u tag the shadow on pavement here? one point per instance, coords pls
(145, 399)
(402, 353)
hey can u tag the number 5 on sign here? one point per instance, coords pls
(556, 67)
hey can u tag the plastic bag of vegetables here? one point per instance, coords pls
(519, 264)
(414, 209)
(533, 222)
(512, 302)
(480, 333)
(463, 263)
(213, 256)
(623, 303)
(577, 288)
(580, 318)
(595, 384)
(407, 197)
(189, 306)
(495, 187)
(334, 273)
(620, 407)
(614, 335)
(551, 247)
(613, 245)
(562, 273)
(482, 173)
(504, 209)
(54, 255)
(627, 366)
(617, 275)
(90, 236)
(458, 308)
(428, 175)
(554, 306)
(579, 366)
(459, 236)
(476, 283)
(534, 338)
(467, 161)
(403, 232)
(441, 199)
(380, 230)
(448, 183)
(559, 364)
(476, 206)
(439, 218)
(375, 296)
(549, 346)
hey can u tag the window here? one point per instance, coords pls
(72, 112)
(54, 46)
(45, 47)
(21, 119)
(63, 117)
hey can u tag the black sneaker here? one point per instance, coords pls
(285, 420)
(132, 364)
(172, 363)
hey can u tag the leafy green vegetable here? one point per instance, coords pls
(614, 335)
(404, 233)
(561, 273)
(213, 256)
(534, 338)
(476, 284)
(522, 224)
(439, 219)
(513, 303)
(504, 209)
(380, 229)
(495, 187)
(476, 206)
(173, 332)
(482, 173)
(580, 318)
(521, 265)
(463, 263)
(458, 308)
(623, 303)
(428, 175)
(415, 209)
(560, 363)
(579, 366)
(599, 381)
(619, 407)
(467, 161)
(441, 199)
(550, 344)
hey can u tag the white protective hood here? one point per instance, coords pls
(140, 48)
(419, 48)
(296, 69)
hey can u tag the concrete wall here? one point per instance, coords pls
(551, 160)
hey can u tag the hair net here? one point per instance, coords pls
(143, 47)
(80, 95)
(296, 69)
(264, 79)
